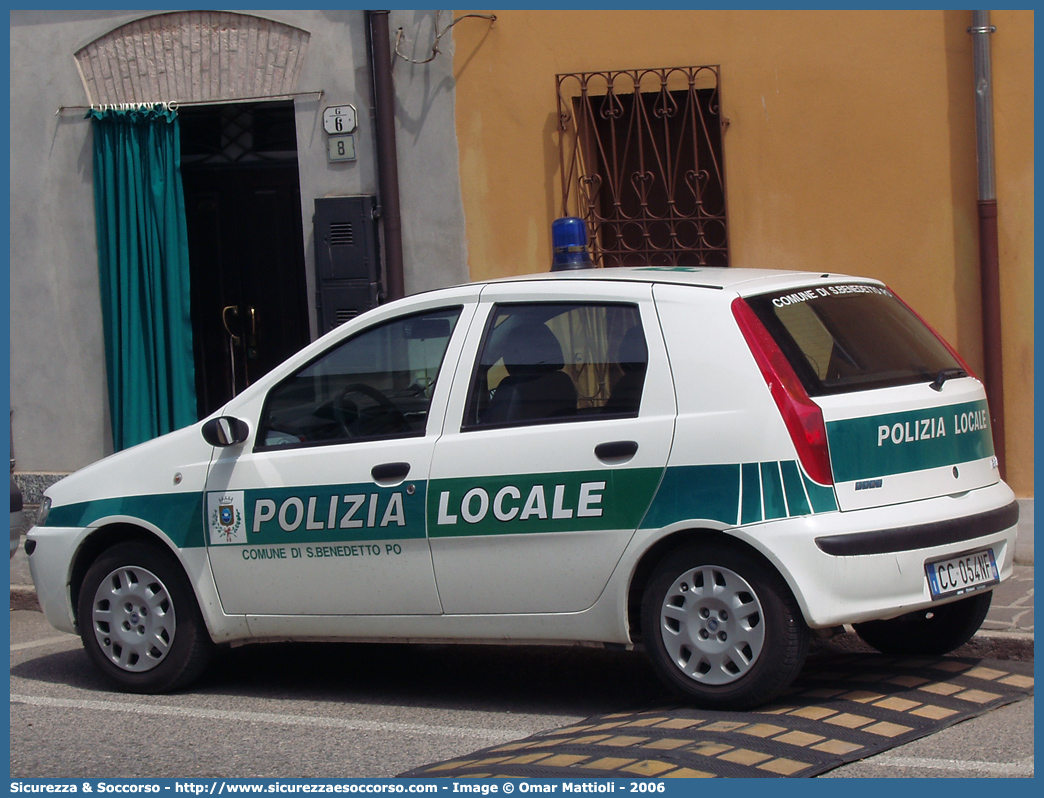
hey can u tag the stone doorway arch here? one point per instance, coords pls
(193, 57)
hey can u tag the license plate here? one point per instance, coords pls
(962, 574)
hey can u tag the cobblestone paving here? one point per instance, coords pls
(1012, 607)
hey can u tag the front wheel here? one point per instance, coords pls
(722, 628)
(930, 632)
(139, 621)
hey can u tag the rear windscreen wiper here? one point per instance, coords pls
(947, 374)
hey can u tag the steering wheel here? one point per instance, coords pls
(379, 418)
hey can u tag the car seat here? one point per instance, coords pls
(536, 388)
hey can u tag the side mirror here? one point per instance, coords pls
(225, 431)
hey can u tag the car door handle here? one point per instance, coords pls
(616, 450)
(390, 472)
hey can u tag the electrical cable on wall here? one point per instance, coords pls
(400, 36)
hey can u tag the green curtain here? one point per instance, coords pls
(143, 264)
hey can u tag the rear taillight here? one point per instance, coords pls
(802, 416)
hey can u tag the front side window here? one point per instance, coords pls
(842, 338)
(553, 362)
(377, 384)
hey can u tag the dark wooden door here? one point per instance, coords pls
(249, 302)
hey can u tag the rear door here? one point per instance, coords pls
(560, 423)
(904, 419)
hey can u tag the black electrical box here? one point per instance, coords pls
(347, 259)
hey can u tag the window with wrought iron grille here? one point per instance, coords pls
(642, 164)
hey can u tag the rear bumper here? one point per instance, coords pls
(924, 536)
(862, 565)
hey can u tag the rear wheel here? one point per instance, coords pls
(139, 620)
(930, 632)
(722, 628)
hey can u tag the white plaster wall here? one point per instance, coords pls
(58, 384)
(429, 176)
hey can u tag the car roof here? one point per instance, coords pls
(743, 281)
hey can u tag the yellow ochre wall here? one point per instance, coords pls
(850, 148)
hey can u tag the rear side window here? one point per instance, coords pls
(843, 338)
(544, 363)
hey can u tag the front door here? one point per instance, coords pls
(322, 510)
(242, 198)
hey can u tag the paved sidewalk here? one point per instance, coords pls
(1012, 609)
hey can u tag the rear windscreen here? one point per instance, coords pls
(842, 338)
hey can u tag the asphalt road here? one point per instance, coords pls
(341, 710)
(334, 710)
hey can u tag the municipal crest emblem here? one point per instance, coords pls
(225, 517)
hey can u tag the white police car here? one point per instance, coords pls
(713, 464)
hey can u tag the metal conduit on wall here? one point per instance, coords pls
(989, 259)
(387, 156)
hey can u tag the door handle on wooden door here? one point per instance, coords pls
(224, 321)
(233, 342)
(251, 343)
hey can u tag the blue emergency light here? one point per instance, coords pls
(569, 244)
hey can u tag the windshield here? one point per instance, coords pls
(842, 338)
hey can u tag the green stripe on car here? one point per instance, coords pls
(537, 503)
(899, 443)
(515, 504)
(179, 515)
(737, 494)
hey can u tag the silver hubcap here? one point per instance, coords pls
(133, 619)
(712, 625)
